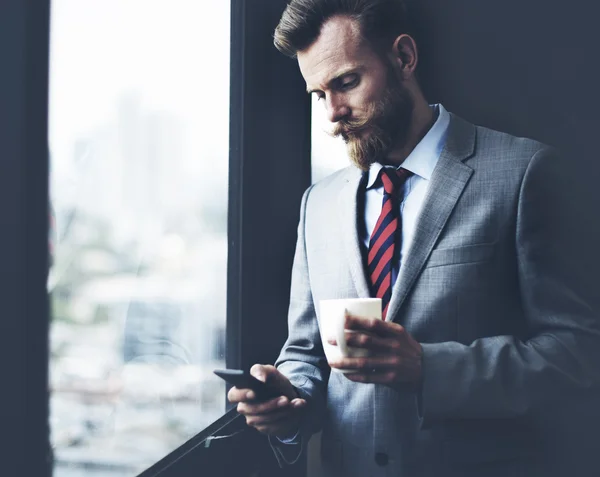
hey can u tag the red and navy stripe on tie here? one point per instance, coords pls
(385, 241)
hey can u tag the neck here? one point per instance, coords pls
(422, 120)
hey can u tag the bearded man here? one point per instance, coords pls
(489, 307)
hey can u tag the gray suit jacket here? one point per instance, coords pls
(496, 287)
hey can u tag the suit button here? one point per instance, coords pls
(381, 459)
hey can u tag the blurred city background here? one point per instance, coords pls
(139, 118)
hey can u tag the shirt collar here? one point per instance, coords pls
(423, 158)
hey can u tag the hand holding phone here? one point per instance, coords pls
(279, 415)
(244, 380)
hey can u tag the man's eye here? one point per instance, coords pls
(347, 84)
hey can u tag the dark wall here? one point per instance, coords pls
(529, 67)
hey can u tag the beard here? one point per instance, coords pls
(384, 127)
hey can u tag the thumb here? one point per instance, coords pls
(260, 372)
(274, 379)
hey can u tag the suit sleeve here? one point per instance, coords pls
(557, 242)
(302, 358)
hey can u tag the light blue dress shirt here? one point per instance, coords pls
(421, 162)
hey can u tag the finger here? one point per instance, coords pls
(347, 334)
(267, 408)
(236, 395)
(287, 425)
(372, 342)
(298, 403)
(270, 375)
(262, 371)
(373, 325)
(272, 418)
(264, 407)
(375, 344)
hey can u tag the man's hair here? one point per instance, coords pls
(381, 22)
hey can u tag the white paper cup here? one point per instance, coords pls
(331, 324)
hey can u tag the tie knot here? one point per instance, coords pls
(394, 179)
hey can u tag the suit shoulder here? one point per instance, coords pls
(496, 149)
(502, 142)
(334, 181)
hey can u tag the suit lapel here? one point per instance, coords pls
(348, 206)
(448, 180)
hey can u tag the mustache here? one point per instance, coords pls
(347, 127)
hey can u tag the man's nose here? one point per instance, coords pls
(337, 109)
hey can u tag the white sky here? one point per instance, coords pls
(173, 53)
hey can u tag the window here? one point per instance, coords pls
(139, 140)
(328, 153)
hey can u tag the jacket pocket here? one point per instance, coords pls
(459, 255)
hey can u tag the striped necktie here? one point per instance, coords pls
(385, 241)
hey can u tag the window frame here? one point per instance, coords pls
(24, 50)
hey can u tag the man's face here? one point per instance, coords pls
(364, 97)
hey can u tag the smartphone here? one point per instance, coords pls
(244, 380)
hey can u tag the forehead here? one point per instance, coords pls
(338, 48)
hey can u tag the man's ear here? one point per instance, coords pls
(405, 54)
